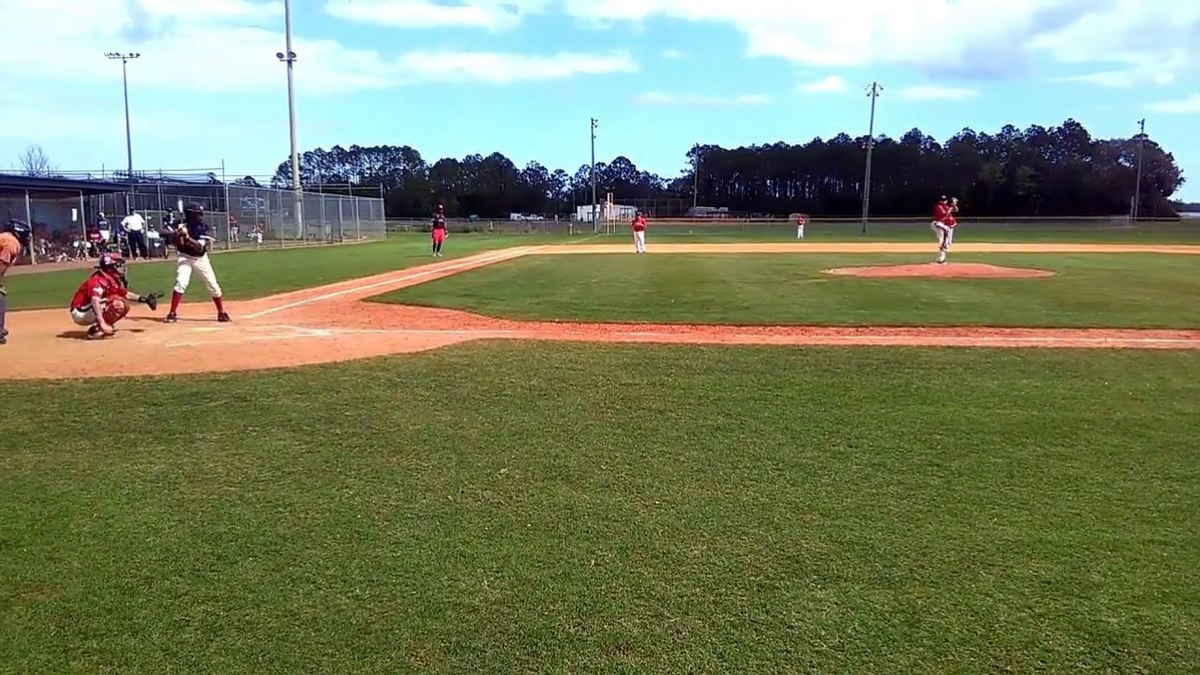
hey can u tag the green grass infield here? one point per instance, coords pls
(1090, 290)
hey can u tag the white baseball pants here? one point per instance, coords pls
(945, 235)
(639, 241)
(203, 267)
(85, 317)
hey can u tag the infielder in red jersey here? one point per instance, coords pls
(437, 230)
(102, 300)
(943, 225)
(639, 233)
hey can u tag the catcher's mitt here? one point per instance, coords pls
(150, 300)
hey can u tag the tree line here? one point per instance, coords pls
(1060, 171)
(1038, 171)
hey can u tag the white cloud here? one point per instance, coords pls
(672, 54)
(492, 15)
(829, 84)
(235, 45)
(501, 68)
(1119, 79)
(967, 38)
(933, 92)
(1185, 106)
(658, 98)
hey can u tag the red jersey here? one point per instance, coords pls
(941, 212)
(949, 220)
(99, 284)
(639, 224)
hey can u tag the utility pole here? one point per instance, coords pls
(290, 59)
(872, 92)
(1137, 186)
(695, 179)
(595, 221)
(125, 58)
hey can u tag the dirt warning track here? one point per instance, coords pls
(333, 323)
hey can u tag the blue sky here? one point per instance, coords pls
(524, 76)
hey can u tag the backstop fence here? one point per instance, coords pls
(241, 216)
(241, 213)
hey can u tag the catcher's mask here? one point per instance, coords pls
(112, 264)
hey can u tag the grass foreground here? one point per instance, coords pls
(522, 508)
(1109, 290)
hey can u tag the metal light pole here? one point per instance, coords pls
(290, 59)
(695, 180)
(873, 92)
(1137, 186)
(125, 58)
(595, 222)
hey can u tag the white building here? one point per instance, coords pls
(605, 212)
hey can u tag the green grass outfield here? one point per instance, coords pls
(1092, 290)
(531, 508)
(1063, 231)
(252, 274)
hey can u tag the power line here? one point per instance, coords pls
(595, 221)
(1135, 208)
(125, 58)
(873, 92)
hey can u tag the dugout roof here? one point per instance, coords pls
(55, 188)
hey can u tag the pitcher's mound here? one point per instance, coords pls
(947, 271)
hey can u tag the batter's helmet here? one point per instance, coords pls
(193, 212)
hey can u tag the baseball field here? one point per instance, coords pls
(739, 453)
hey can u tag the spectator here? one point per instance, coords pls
(135, 229)
(234, 230)
(105, 233)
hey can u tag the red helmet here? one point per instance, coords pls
(110, 261)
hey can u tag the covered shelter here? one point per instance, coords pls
(53, 207)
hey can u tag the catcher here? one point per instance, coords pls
(103, 300)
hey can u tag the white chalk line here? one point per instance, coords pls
(287, 332)
(474, 262)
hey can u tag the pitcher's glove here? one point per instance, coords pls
(150, 300)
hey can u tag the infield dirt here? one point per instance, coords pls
(334, 323)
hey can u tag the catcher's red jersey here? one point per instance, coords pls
(98, 284)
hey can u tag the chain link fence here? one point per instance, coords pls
(240, 216)
(256, 216)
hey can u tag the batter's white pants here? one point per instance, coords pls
(639, 241)
(203, 267)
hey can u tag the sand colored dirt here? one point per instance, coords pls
(935, 271)
(333, 323)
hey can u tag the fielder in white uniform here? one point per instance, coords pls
(193, 240)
